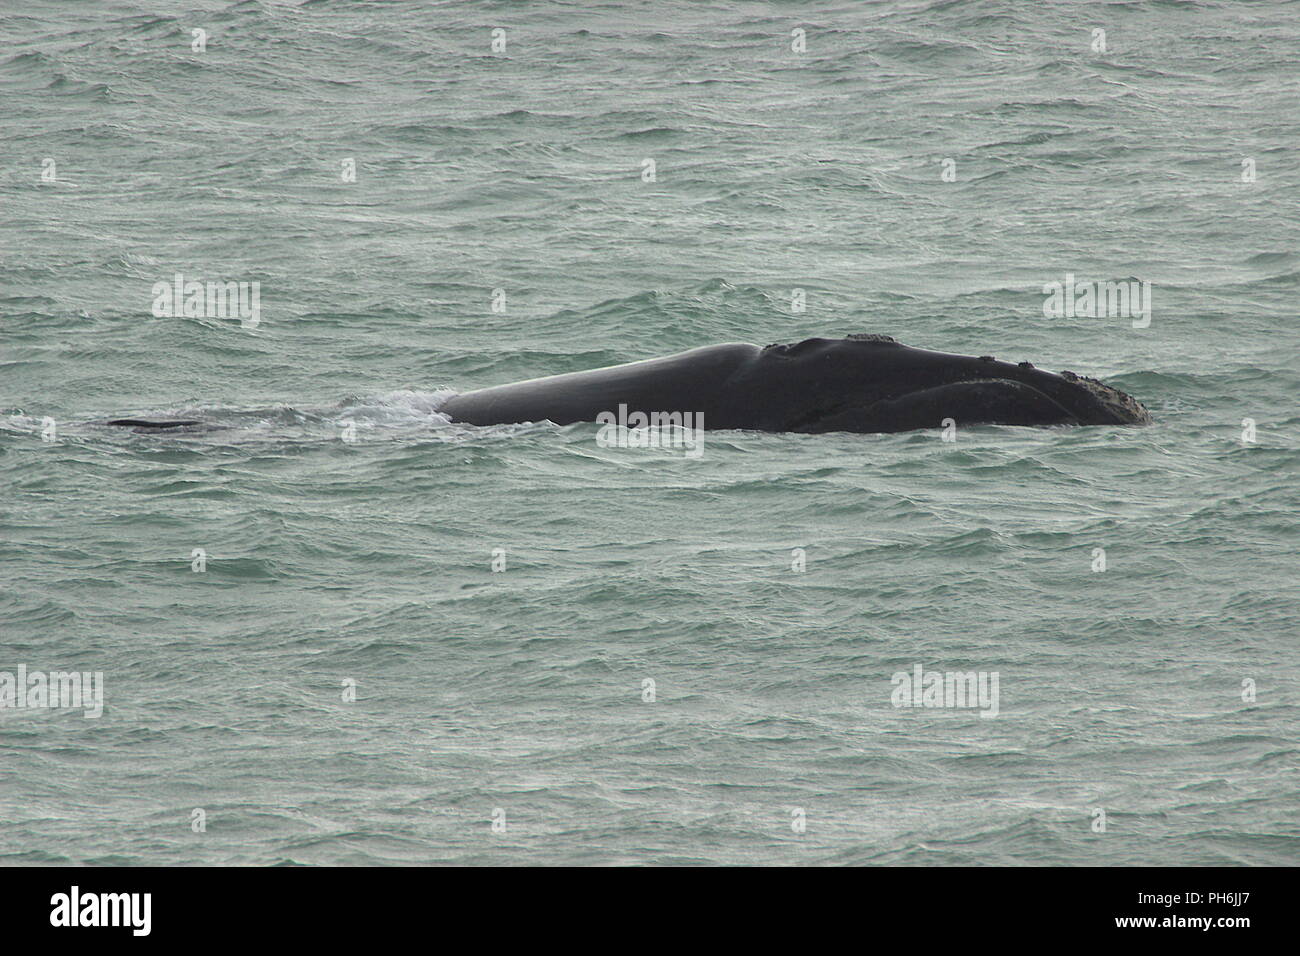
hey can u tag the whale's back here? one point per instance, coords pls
(687, 382)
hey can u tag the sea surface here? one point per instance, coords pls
(307, 655)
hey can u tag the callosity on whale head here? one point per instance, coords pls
(1123, 408)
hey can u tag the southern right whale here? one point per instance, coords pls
(860, 383)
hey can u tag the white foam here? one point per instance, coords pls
(398, 408)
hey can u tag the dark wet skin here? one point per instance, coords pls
(151, 424)
(855, 384)
(862, 383)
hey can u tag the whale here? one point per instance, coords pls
(146, 424)
(863, 382)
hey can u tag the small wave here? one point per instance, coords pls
(400, 407)
(403, 413)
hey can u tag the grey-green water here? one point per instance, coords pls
(520, 694)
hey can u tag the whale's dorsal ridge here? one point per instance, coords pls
(796, 348)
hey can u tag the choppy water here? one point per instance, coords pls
(522, 691)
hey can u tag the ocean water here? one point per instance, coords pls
(651, 678)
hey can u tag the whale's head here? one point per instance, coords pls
(872, 383)
(1107, 401)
